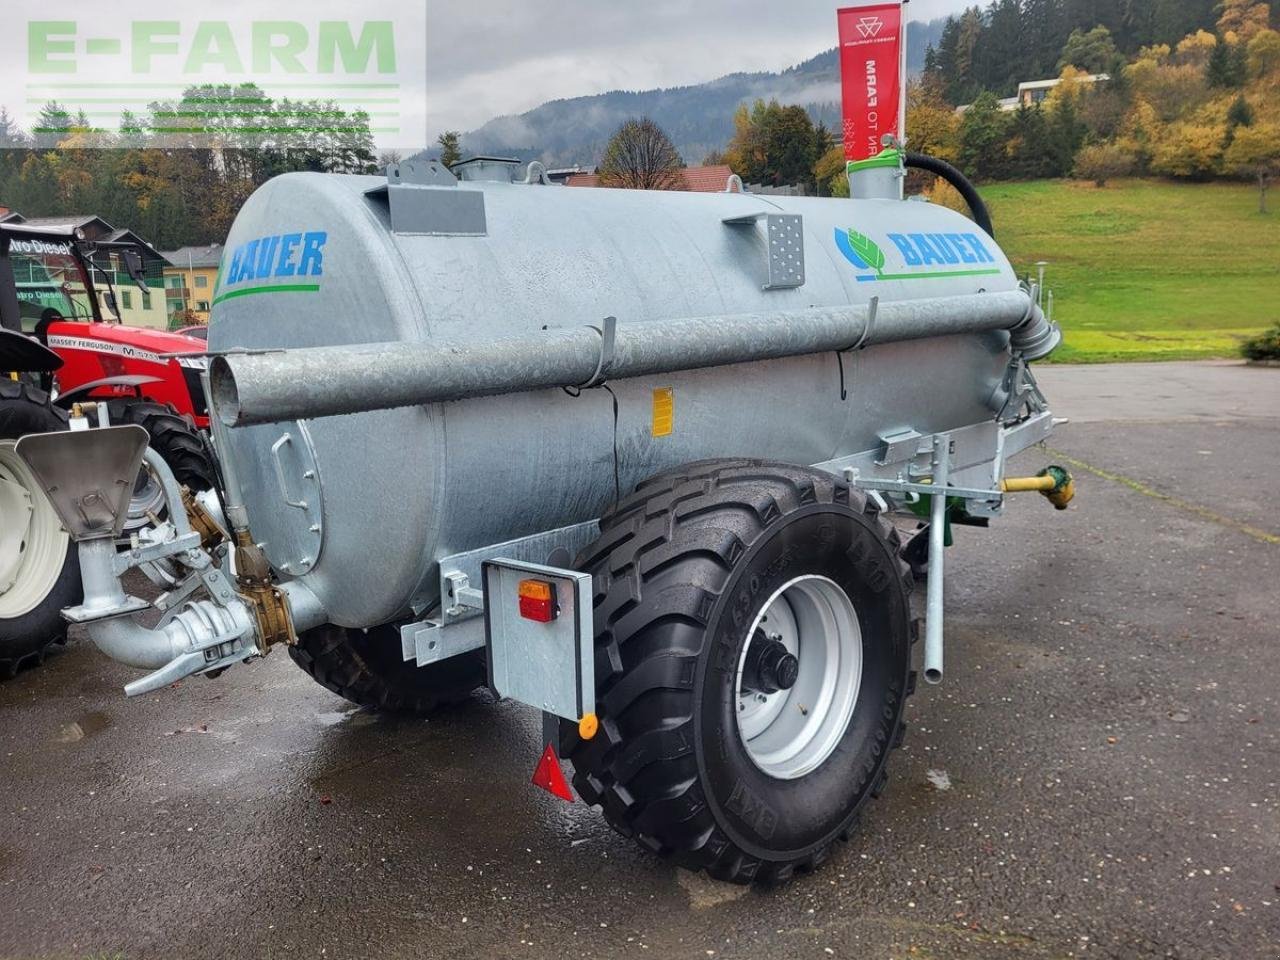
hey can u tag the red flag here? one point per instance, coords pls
(872, 45)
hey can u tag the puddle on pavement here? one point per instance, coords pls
(704, 892)
(356, 718)
(84, 726)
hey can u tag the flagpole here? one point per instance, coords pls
(902, 74)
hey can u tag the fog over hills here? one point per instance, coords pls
(698, 118)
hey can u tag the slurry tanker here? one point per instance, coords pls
(627, 457)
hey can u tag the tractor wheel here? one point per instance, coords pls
(365, 667)
(172, 436)
(39, 567)
(753, 657)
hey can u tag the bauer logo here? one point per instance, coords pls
(283, 263)
(916, 256)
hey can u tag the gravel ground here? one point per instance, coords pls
(1096, 778)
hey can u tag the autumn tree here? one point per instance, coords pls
(1262, 55)
(1101, 162)
(933, 125)
(1243, 18)
(1255, 153)
(640, 156)
(829, 173)
(774, 145)
(1189, 149)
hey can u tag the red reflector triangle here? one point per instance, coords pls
(547, 775)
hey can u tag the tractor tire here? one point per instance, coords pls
(700, 755)
(39, 566)
(366, 668)
(172, 436)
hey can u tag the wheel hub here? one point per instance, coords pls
(33, 545)
(769, 666)
(799, 676)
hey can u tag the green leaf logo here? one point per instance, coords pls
(868, 250)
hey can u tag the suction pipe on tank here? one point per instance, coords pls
(202, 635)
(270, 386)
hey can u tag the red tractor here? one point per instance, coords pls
(57, 349)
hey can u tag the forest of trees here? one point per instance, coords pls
(1198, 104)
(1194, 92)
(179, 173)
(1009, 41)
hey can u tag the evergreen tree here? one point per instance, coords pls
(1226, 66)
(983, 135)
(52, 125)
(1065, 136)
(450, 147)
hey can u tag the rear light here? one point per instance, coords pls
(538, 600)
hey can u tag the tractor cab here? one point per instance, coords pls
(65, 289)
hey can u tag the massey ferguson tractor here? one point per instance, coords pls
(57, 350)
(626, 457)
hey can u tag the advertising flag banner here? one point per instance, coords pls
(872, 47)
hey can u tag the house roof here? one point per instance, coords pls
(148, 251)
(94, 228)
(1049, 84)
(712, 179)
(189, 257)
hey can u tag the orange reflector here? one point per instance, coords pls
(538, 600)
(548, 776)
(588, 726)
(536, 589)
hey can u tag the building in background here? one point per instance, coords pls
(137, 308)
(712, 179)
(189, 282)
(1032, 93)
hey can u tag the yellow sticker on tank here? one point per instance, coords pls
(664, 411)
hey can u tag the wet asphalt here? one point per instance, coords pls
(1099, 776)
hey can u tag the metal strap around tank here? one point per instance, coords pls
(270, 386)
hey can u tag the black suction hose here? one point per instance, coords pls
(977, 209)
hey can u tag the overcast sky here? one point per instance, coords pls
(480, 58)
(491, 57)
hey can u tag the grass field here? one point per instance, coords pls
(1146, 269)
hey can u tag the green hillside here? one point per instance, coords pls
(1146, 269)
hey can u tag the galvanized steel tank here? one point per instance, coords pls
(362, 507)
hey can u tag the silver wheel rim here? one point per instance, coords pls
(790, 733)
(147, 500)
(33, 545)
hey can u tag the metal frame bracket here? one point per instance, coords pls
(784, 247)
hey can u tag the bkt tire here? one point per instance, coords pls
(172, 436)
(179, 445)
(39, 566)
(753, 657)
(366, 667)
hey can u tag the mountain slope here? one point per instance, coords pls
(698, 118)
